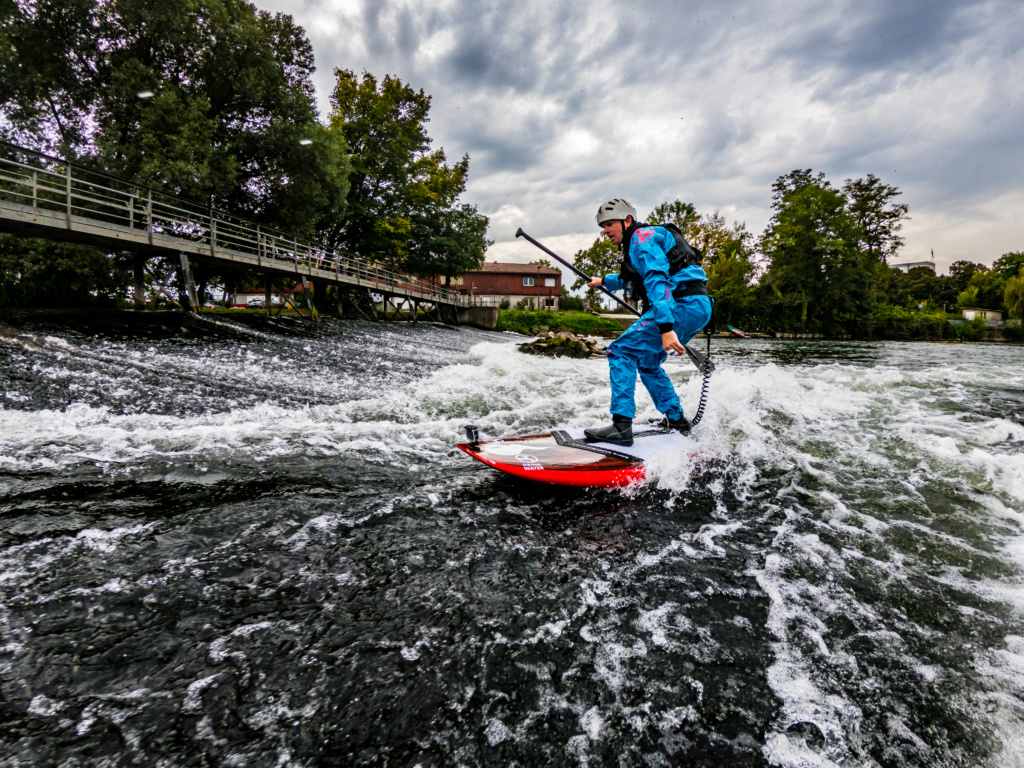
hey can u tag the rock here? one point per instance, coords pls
(564, 343)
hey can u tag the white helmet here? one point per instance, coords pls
(613, 210)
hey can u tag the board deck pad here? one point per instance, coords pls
(566, 457)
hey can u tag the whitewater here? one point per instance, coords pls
(251, 542)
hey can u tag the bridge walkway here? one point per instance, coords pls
(43, 196)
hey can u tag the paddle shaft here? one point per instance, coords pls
(549, 252)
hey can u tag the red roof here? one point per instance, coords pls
(515, 269)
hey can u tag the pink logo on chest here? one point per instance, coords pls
(643, 235)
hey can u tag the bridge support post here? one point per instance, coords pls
(190, 283)
(309, 298)
(266, 294)
(139, 298)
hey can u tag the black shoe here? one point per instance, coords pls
(681, 425)
(619, 433)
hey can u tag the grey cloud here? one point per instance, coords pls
(924, 94)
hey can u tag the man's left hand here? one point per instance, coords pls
(670, 342)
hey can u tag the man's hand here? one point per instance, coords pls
(595, 282)
(670, 342)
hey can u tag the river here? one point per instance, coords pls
(230, 542)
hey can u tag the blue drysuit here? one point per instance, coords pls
(639, 348)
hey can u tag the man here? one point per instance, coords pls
(671, 285)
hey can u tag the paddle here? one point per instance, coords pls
(549, 252)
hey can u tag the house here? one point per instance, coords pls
(991, 315)
(909, 265)
(496, 282)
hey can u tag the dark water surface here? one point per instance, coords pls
(242, 543)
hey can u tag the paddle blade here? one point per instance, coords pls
(702, 363)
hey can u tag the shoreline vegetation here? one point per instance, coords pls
(934, 327)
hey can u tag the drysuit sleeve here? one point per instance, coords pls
(613, 282)
(647, 250)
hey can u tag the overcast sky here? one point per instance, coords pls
(562, 105)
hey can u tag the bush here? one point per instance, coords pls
(895, 322)
(1014, 330)
(969, 330)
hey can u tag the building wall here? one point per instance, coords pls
(992, 315)
(491, 288)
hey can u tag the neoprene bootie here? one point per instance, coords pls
(681, 425)
(619, 433)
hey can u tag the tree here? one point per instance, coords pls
(1013, 295)
(727, 261)
(961, 272)
(922, 285)
(395, 181)
(985, 289)
(683, 215)
(600, 259)
(451, 243)
(714, 237)
(879, 218)
(816, 265)
(46, 274)
(1009, 265)
(791, 183)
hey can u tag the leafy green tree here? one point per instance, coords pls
(570, 303)
(817, 268)
(1013, 295)
(40, 273)
(600, 259)
(1009, 265)
(728, 263)
(793, 182)
(451, 243)
(396, 183)
(922, 286)
(961, 272)
(880, 218)
(683, 215)
(206, 99)
(984, 290)
(714, 237)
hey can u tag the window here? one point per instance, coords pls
(527, 281)
(549, 282)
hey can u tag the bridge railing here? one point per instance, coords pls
(41, 183)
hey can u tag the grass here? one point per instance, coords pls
(533, 322)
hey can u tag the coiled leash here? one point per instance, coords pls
(704, 365)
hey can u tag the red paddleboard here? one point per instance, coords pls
(566, 457)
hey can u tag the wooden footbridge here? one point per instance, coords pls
(43, 196)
